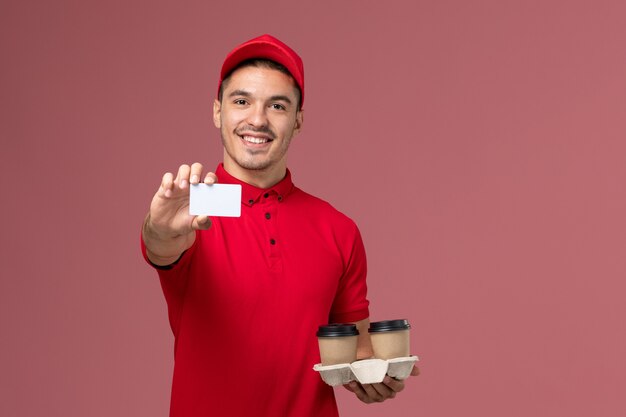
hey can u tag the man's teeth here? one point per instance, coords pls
(252, 139)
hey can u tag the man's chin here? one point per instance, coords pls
(254, 165)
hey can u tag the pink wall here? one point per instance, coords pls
(481, 147)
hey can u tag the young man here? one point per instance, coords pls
(245, 295)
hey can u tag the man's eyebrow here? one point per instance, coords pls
(239, 93)
(281, 98)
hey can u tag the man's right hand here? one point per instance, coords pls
(169, 229)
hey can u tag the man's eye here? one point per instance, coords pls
(240, 102)
(277, 106)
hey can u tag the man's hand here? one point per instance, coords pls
(169, 229)
(376, 393)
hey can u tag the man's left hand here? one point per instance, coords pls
(377, 393)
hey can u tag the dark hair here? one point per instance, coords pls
(259, 63)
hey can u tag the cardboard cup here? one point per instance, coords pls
(337, 343)
(390, 339)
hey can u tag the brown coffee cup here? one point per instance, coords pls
(337, 343)
(390, 338)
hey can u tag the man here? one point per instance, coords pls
(245, 295)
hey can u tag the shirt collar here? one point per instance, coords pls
(251, 194)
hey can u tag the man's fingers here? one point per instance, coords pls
(210, 178)
(195, 173)
(415, 371)
(358, 390)
(182, 179)
(372, 393)
(166, 185)
(201, 223)
(393, 384)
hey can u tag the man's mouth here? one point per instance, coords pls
(254, 139)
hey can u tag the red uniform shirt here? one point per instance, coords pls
(246, 299)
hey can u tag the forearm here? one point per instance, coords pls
(164, 250)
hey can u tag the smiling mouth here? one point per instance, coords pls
(255, 140)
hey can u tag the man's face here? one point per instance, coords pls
(257, 117)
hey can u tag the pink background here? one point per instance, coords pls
(480, 146)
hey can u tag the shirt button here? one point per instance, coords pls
(280, 198)
(266, 195)
(267, 216)
(250, 202)
(272, 242)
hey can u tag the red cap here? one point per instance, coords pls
(267, 47)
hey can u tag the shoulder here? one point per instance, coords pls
(316, 208)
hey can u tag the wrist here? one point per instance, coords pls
(162, 249)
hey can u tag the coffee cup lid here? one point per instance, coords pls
(389, 326)
(337, 330)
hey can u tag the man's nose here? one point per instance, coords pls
(257, 116)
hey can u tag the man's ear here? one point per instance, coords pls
(299, 120)
(217, 111)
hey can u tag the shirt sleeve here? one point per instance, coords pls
(351, 303)
(174, 279)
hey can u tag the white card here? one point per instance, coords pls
(215, 200)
